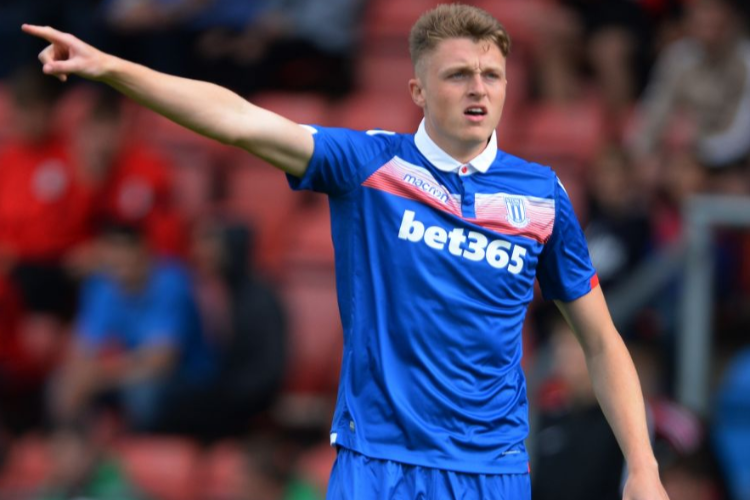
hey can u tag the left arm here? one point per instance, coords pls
(618, 390)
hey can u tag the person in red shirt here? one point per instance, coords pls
(44, 208)
(132, 182)
(43, 216)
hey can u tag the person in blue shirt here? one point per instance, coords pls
(438, 237)
(138, 336)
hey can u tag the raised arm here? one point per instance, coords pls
(617, 388)
(206, 108)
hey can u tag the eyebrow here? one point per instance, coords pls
(470, 68)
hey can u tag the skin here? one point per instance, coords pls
(457, 74)
(460, 73)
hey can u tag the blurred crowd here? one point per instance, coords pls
(168, 324)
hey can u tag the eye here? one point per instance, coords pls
(456, 75)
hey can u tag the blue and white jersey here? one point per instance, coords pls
(435, 266)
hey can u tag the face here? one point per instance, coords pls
(125, 261)
(711, 23)
(461, 87)
(97, 144)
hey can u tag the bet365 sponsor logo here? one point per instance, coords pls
(470, 245)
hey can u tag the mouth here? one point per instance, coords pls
(475, 112)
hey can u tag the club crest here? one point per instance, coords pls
(516, 206)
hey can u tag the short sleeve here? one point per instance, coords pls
(565, 270)
(340, 159)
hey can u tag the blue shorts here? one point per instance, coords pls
(356, 476)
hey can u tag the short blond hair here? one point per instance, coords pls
(455, 21)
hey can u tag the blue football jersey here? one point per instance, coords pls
(435, 268)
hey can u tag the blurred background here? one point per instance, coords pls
(168, 318)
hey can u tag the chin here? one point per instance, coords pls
(477, 135)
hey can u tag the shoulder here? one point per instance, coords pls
(525, 166)
(359, 146)
(528, 177)
(374, 136)
(681, 54)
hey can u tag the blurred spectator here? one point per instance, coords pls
(44, 210)
(731, 425)
(686, 462)
(44, 206)
(692, 477)
(577, 456)
(679, 177)
(138, 336)
(618, 229)
(73, 15)
(248, 46)
(174, 35)
(244, 318)
(132, 182)
(152, 32)
(706, 76)
(23, 368)
(617, 45)
(559, 57)
(564, 125)
(298, 45)
(83, 465)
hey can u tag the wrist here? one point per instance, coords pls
(646, 464)
(110, 67)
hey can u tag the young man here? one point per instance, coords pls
(438, 239)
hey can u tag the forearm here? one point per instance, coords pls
(132, 367)
(619, 393)
(208, 109)
(203, 107)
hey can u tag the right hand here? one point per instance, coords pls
(68, 55)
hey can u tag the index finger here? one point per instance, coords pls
(46, 32)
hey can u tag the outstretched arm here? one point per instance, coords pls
(206, 108)
(617, 389)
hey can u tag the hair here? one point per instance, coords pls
(456, 20)
(106, 104)
(29, 86)
(127, 232)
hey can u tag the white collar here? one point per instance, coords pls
(445, 162)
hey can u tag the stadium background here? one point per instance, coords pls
(580, 74)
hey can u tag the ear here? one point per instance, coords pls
(416, 89)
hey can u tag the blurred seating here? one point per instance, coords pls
(223, 470)
(306, 109)
(391, 20)
(387, 111)
(26, 467)
(307, 242)
(164, 468)
(567, 137)
(259, 195)
(315, 464)
(315, 338)
(519, 17)
(387, 73)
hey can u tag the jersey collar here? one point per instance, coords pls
(443, 161)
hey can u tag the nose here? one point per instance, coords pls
(477, 86)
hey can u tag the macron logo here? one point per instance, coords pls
(470, 245)
(427, 187)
